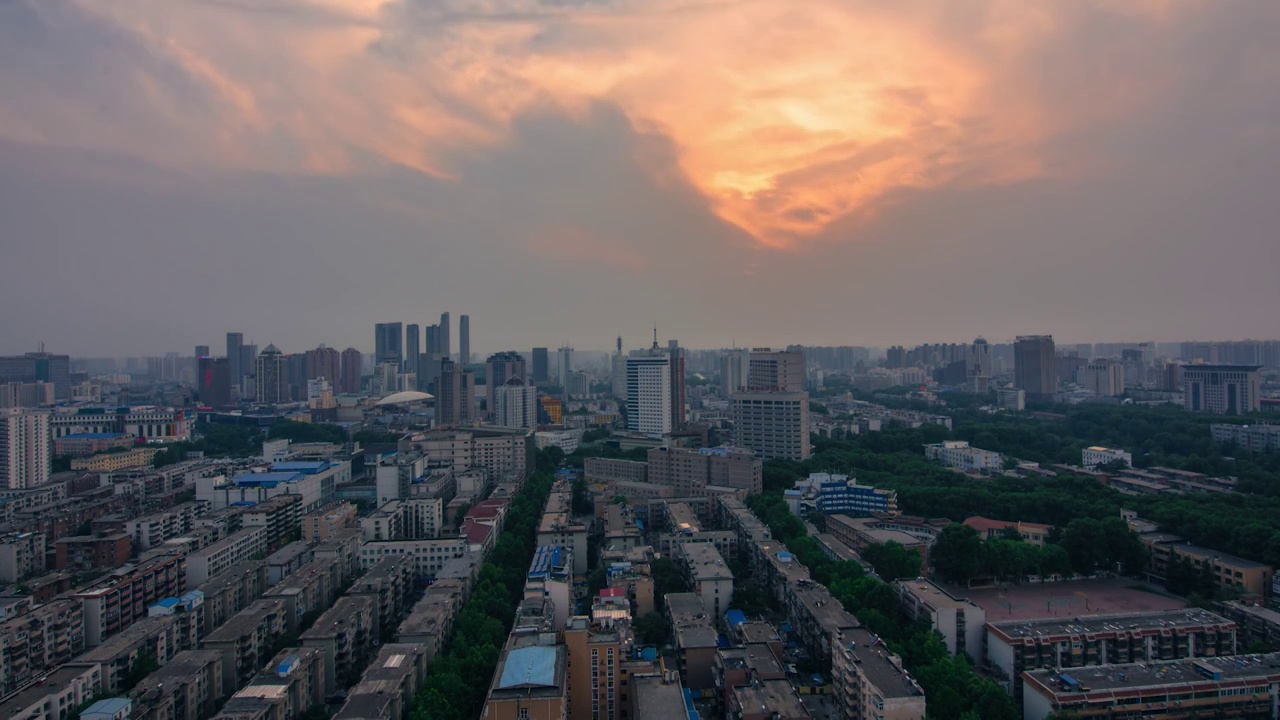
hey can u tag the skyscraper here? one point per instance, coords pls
(775, 371)
(565, 354)
(235, 341)
(649, 394)
(676, 366)
(771, 415)
(248, 369)
(202, 351)
(412, 340)
(388, 343)
(445, 333)
(515, 404)
(213, 381)
(39, 367)
(455, 395)
(324, 362)
(541, 369)
(26, 448)
(499, 368)
(270, 380)
(618, 373)
(352, 364)
(464, 339)
(734, 368)
(432, 346)
(1034, 370)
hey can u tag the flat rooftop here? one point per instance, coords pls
(705, 562)
(246, 621)
(933, 595)
(1074, 599)
(888, 677)
(1106, 679)
(658, 700)
(183, 665)
(327, 624)
(1135, 624)
(771, 696)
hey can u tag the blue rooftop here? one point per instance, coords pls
(735, 617)
(167, 602)
(304, 467)
(533, 666)
(92, 436)
(545, 559)
(269, 479)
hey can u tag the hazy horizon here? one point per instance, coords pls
(758, 172)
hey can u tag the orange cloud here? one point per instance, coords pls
(787, 116)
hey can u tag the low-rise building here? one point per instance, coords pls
(152, 530)
(829, 494)
(989, 529)
(114, 461)
(1244, 686)
(429, 556)
(530, 683)
(283, 562)
(606, 470)
(1258, 625)
(557, 526)
(1228, 571)
(86, 444)
(766, 700)
(1093, 456)
(959, 621)
(430, 622)
(959, 455)
(156, 638)
(1259, 437)
(242, 545)
(910, 532)
(346, 635)
(390, 584)
(187, 687)
(308, 591)
(343, 546)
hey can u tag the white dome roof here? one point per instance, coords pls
(403, 398)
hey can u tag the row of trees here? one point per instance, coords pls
(458, 680)
(954, 690)
(1085, 546)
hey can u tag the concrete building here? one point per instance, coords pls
(288, 687)
(1103, 377)
(557, 526)
(515, 404)
(911, 533)
(1034, 370)
(695, 639)
(238, 547)
(988, 529)
(82, 553)
(114, 603)
(1093, 456)
(775, 371)
(149, 531)
(387, 689)
(39, 639)
(1222, 389)
(429, 556)
(1250, 438)
(321, 524)
(530, 682)
(246, 641)
(26, 448)
(691, 471)
(455, 395)
(22, 554)
(314, 480)
(346, 635)
(279, 516)
(708, 575)
(959, 455)
(430, 622)
(232, 591)
(649, 394)
(1014, 399)
(773, 424)
(147, 422)
(959, 621)
(1229, 572)
(86, 444)
(187, 687)
(61, 692)
(763, 699)
(869, 681)
(158, 637)
(829, 494)
(605, 470)
(1019, 645)
(390, 583)
(500, 369)
(270, 384)
(1245, 686)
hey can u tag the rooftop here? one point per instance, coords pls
(932, 595)
(1134, 624)
(658, 700)
(705, 562)
(56, 681)
(246, 621)
(1103, 680)
(343, 609)
(771, 696)
(267, 479)
(879, 665)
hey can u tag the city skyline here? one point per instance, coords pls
(1094, 170)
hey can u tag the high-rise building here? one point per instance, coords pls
(499, 368)
(26, 448)
(412, 341)
(515, 404)
(270, 381)
(676, 367)
(455, 394)
(1034, 370)
(446, 349)
(1222, 389)
(388, 343)
(295, 376)
(734, 369)
(977, 365)
(324, 362)
(565, 354)
(649, 394)
(213, 381)
(352, 365)
(432, 338)
(775, 371)
(541, 369)
(39, 367)
(202, 351)
(618, 373)
(1103, 377)
(235, 341)
(464, 339)
(774, 424)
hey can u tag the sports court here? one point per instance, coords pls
(1112, 596)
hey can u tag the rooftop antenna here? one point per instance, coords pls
(655, 336)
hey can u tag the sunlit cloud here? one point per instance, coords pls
(786, 116)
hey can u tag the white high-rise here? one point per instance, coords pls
(734, 367)
(565, 355)
(649, 394)
(26, 448)
(515, 405)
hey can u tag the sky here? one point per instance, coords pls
(750, 172)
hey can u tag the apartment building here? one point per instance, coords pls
(36, 640)
(1015, 646)
(242, 545)
(385, 523)
(691, 471)
(325, 522)
(246, 640)
(187, 687)
(280, 516)
(708, 575)
(149, 531)
(82, 553)
(22, 554)
(429, 556)
(773, 424)
(114, 603)
(311, 589)
(606, 470)
(57, 697)
(346, 635)
(231, 591)
(289, 686)
(1259, 437)
(1228, 571)
(159, 637)
(283, 562)
(557, 526)
(869, 681)
(389, 684)
(115, 461)
(430, 622)
(959, 621)
(343, 546)
(390, 583)
(695, 639)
